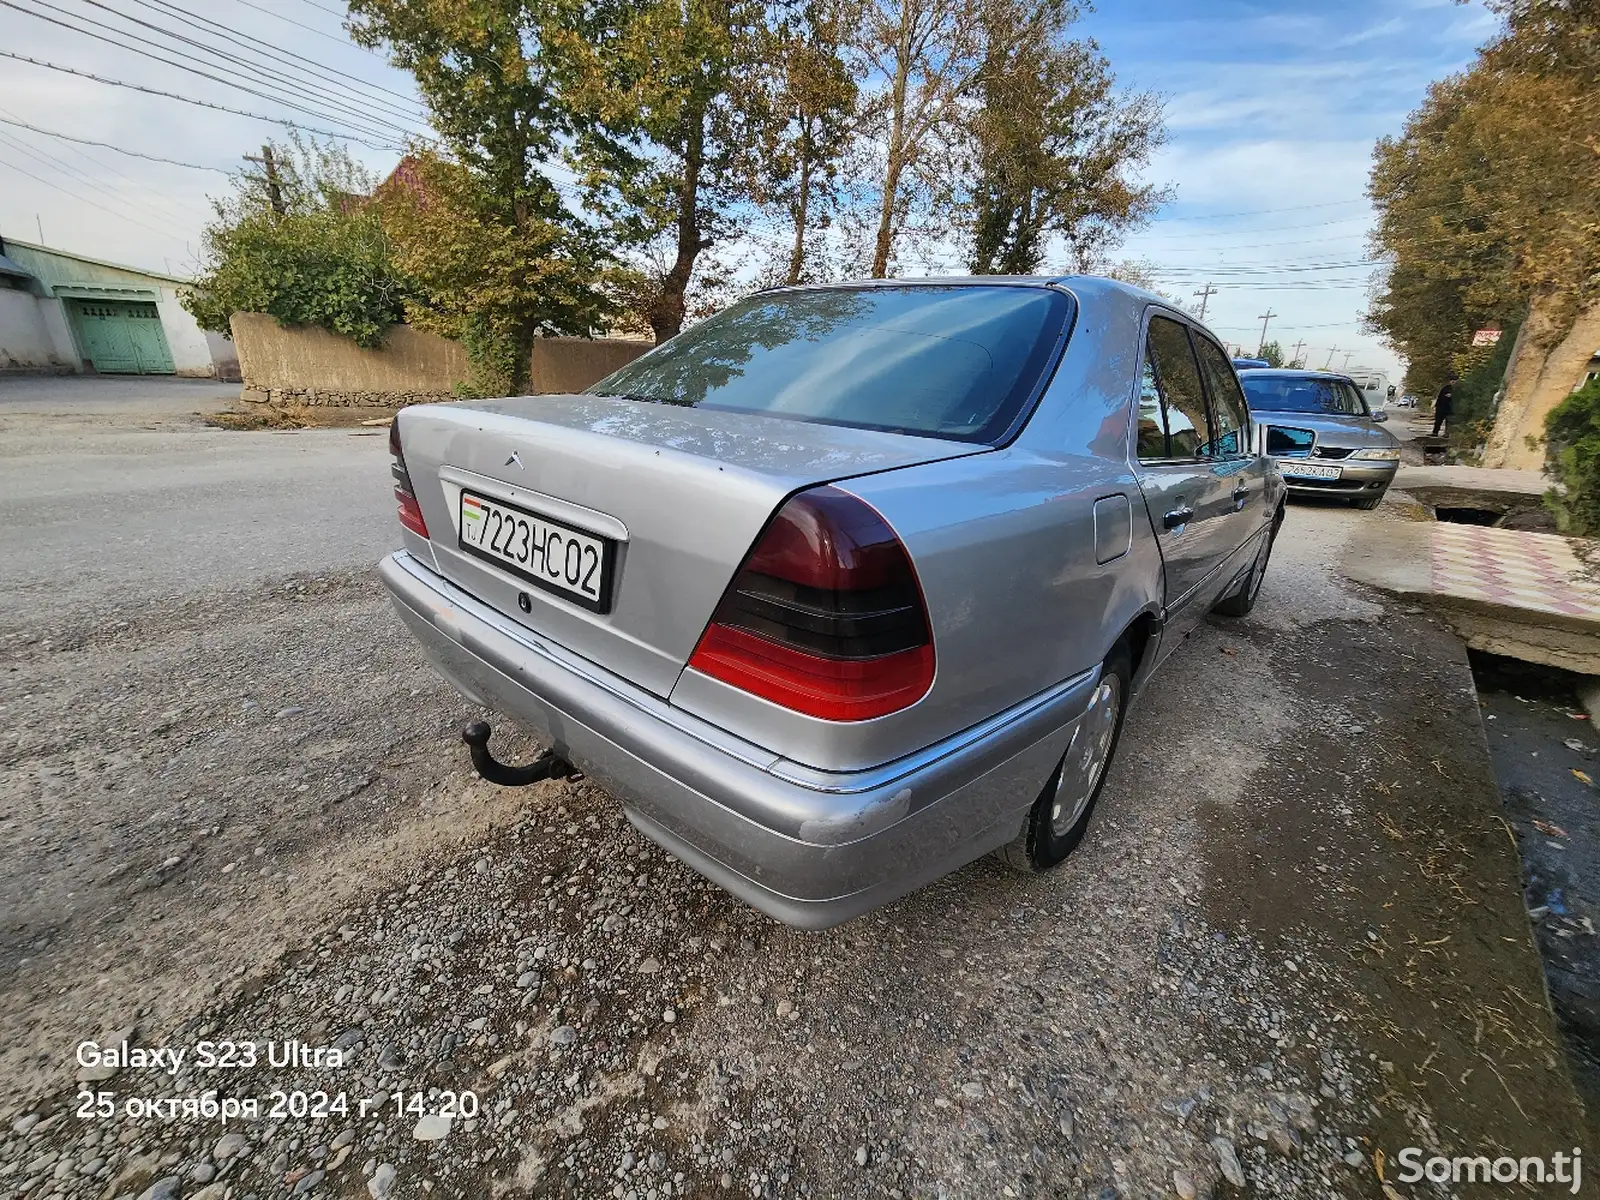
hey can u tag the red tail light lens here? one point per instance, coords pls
(826, 616)
(405, 496)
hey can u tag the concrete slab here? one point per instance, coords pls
(1479, 479)
(1524, 595)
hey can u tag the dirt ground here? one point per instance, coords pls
(234, 807)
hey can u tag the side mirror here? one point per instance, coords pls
(1380, 415)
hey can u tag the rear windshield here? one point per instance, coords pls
(948, 362)
(1285, 393)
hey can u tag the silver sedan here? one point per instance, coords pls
(1325, 438)
(848, 585)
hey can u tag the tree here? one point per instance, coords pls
(810, 100)
(499, 258)
(298, 242)
(666, 134)
(492, 281)
(1489, 210)
(1057, 147)
(929, 55)
(1271, 353)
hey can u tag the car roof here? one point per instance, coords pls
(1091, 283)
(1293, 373)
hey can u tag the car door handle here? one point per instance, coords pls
(1240, 495)
(1177, 517)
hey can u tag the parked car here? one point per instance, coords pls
(1326, 441)
(845, 586)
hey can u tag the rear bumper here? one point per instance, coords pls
(811, 848)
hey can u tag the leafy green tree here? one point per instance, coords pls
(809, 99)
(667, 134)
(928, 55)
(490, 281)
(1489, 210)
(1057, 147)
(497, 255)
(1572, 449)
(1272, 353)
(300, 245)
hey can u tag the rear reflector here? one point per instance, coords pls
(826, 615)
(405, 496)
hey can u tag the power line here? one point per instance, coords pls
(270, 49)
(178, 209)
(1263, 212)
(67, 137)
(309, 28)
(238, 112)
(411, 112)
(78, 176)
(357, 119)
(83, 199)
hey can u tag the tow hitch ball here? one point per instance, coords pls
(548, 765)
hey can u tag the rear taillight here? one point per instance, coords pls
(826, 616)
(405, 496)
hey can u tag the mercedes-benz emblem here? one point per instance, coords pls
(516, 458)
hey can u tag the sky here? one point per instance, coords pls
(1271, 112)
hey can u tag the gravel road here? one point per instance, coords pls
(233, 809)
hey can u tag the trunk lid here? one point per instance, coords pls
(681, 494)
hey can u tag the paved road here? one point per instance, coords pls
(232, 804)
(113, 488)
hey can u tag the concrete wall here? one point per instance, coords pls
(25, 341)
(567, 364)
(307, 365)
(224, 357)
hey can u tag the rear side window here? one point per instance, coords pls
(953, 362)
(1229, 413)
(1182, 399)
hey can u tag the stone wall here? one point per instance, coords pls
(311, 366)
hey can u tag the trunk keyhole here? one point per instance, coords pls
(524, 602)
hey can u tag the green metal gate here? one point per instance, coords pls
(123, 337)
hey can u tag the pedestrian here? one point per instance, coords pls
(1443, 403)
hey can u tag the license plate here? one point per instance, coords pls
(549, 554)
(1307, 471)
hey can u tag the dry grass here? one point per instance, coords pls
(250, 417)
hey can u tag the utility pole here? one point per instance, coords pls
(1347, 356)
(1265, 317)
(1331, 353)
(270, 166)
(40, 225)
(1205, 294)
(1295, 361)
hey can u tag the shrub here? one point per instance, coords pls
(1572, 459)
(303, 245)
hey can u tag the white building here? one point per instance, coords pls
(67, 313)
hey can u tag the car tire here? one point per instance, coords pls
(1242, 599)
(1060, 816)
(1370, 503)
